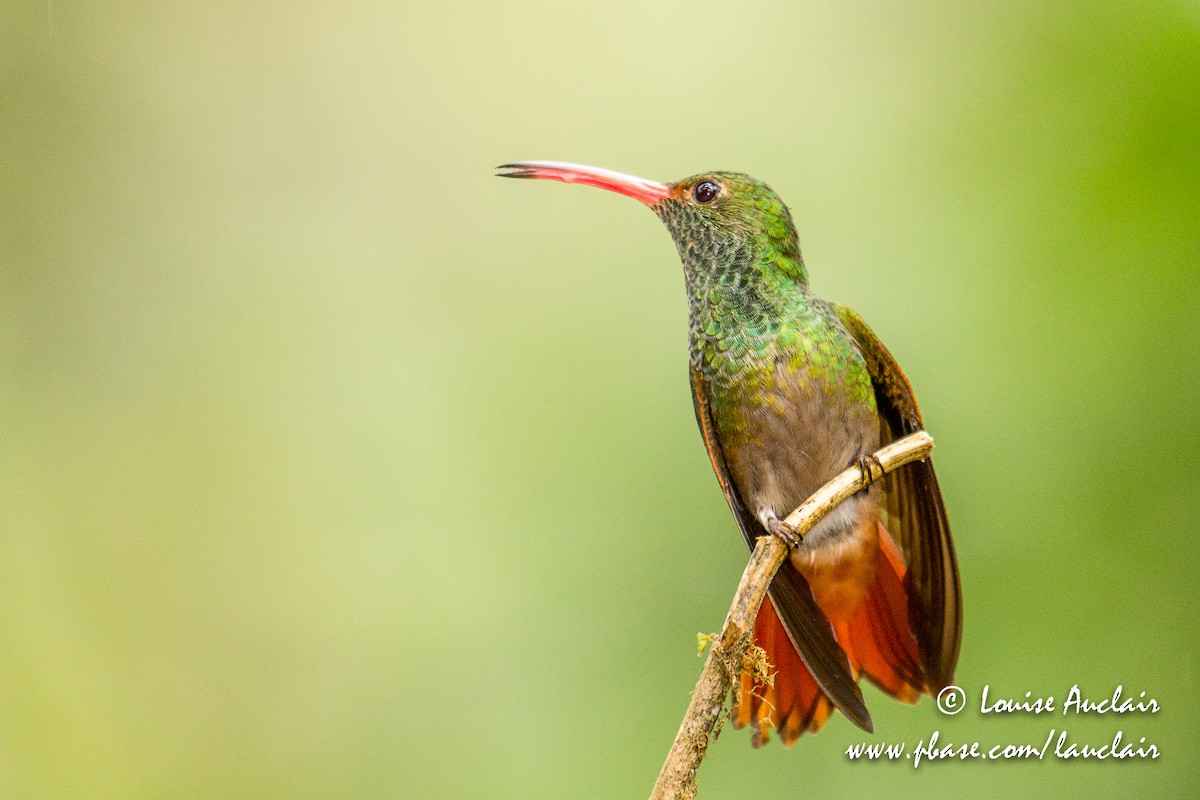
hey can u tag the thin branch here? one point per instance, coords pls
(677, 780)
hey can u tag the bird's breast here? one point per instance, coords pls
(786, 432)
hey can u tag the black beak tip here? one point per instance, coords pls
(514, 171)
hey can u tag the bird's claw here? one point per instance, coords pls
(869, 463)
(787, 533)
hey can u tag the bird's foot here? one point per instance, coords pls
(777, 527)
(869, 463)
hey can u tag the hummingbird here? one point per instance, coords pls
(790, 389)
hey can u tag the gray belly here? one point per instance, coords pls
(793, 439)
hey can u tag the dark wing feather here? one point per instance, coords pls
(915, 516)
(807, 627)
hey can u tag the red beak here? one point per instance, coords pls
(649, 192)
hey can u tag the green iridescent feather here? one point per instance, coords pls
(749, 299)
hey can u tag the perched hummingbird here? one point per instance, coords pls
(789, 390)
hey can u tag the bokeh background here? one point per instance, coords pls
(331, 466)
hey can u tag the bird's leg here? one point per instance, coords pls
(869, 463)
(777, 527)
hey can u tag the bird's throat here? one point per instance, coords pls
(739, 303)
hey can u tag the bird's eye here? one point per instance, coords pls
(705, 191)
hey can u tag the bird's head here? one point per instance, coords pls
(707, 214)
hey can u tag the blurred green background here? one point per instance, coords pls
(332, 466)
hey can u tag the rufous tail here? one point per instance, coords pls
(878, 642)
